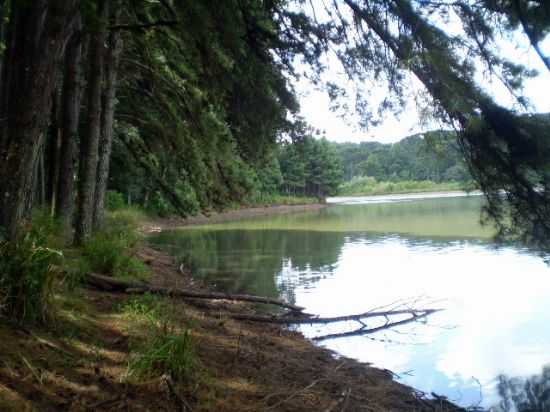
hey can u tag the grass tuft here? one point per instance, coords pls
(27, 274)
(165, 352)
(156, 346)
(109, 251)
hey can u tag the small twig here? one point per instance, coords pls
(183, 405)
(36, 375)
(105, 402)
(293, 395)
(362, 331)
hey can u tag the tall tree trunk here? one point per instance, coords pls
(70, 114)
(3, 13)
(90, 136)
(52, 151)
(109, 96)
(37, 36)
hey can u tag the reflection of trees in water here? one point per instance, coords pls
(250, 260)
(524, 394)
(266, 262)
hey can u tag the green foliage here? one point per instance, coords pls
(108, 251)
(27, 274)
(168, 352)
(197, 122)
(310, 167)
(366, 185)
(432, 156)
(105, 254)
(270, 176)
(46, 229)
(160, 348)
(146, 307)
(114, 200)
(266, 199)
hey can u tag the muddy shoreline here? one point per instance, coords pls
(161, 224)
(390, 395)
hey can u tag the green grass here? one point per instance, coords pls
(157, 346)
(27, 274)
(167, 352)
(264, 199)
(109, 250)
(29, 265)
(367, 186)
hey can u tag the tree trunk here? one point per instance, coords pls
(37, 36)
(90, 136)
(70, 114)
(109, 96)
(3, 13)
(52, 152)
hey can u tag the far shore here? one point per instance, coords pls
(405, 195)
(160, 224)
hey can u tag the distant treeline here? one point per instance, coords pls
(432, 156)
(317, 167)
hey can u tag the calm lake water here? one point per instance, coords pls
(363, 253)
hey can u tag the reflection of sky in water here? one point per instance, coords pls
(352, 258)
(497, 301)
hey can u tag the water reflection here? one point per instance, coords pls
(348, 259)
(519, 394)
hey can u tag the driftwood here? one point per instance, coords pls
(117, 285)
(297, 320)
(363, 330)
(415, 315)
(297, 315)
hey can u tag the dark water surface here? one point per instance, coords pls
(363, 253)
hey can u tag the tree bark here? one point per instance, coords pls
(3, 13)
(106, 141)
(52, 152)
(91, 132)
(37, 36)
(70, 114)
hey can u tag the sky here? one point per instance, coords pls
(315, 104)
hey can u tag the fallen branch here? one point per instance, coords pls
(297, 320)
(419, 314)
(117, 285)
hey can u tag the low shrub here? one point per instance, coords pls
(109, 251)
(27, 274)
(114, 200)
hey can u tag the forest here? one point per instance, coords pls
(187, 107)
(146, 91)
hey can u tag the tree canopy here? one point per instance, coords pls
(433, 156)
(192, 97)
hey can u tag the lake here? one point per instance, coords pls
(394, 251)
